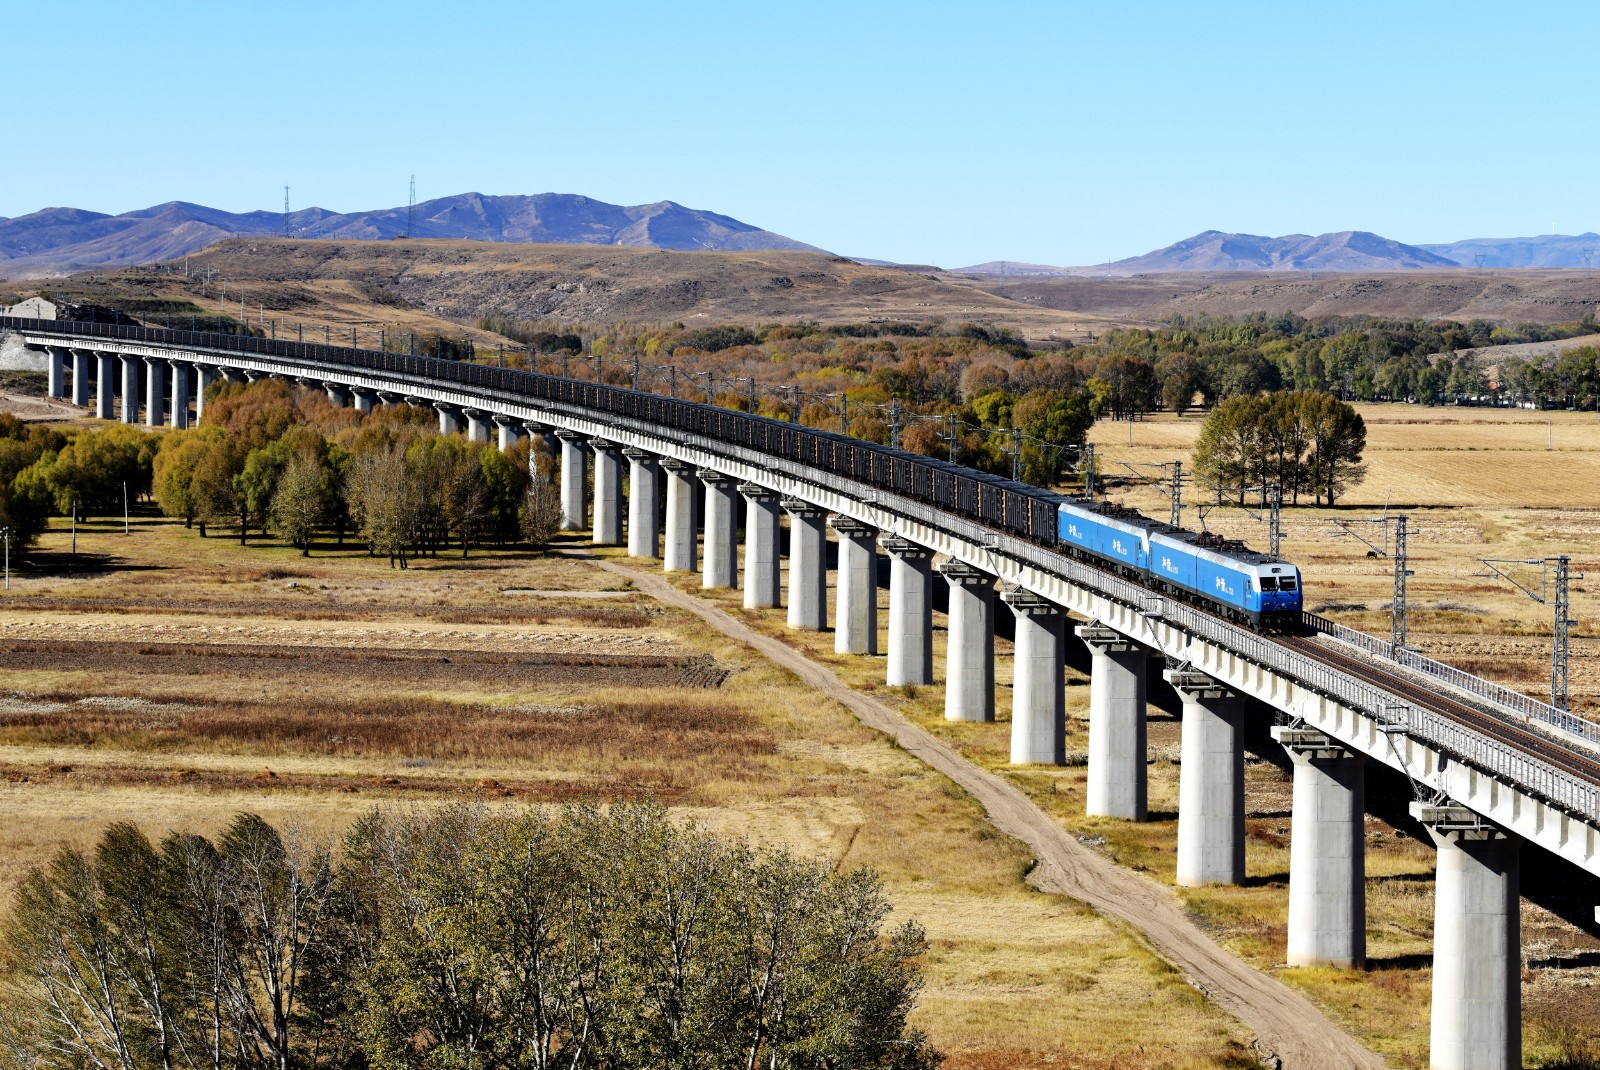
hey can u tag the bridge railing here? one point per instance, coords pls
(1520, 706)
(1449, 737)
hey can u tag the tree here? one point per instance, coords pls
(300, 501)
(541, 510)
(1338, 438)
(176, 463)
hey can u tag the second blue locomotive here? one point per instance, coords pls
(1243, 585)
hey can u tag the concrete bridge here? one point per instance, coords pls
(1494, 772)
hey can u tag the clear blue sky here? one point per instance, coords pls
(951, 133)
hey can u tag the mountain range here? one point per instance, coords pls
(62, 240)
(1341, 251)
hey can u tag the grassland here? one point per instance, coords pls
(175, 681)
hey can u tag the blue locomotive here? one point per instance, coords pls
(1245, 586)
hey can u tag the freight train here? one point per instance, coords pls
(1225, 577)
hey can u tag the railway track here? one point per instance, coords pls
(1524, 739)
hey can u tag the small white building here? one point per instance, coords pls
(34, 308)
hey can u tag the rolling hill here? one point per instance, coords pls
(58, 241)
(1348, 250)
(1539, 251)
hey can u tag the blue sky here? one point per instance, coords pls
(1065, 133)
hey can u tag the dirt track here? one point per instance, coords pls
(1287, 1025)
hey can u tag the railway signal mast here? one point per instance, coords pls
(1552, 589)
(1397, 553)
(1170, 483)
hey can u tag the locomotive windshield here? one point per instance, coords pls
(1269, 583)
(1289, 583)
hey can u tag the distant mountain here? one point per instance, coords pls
(1348, 250)
(1540, 251)
(62, 240)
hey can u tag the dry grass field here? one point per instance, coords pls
(175, 681)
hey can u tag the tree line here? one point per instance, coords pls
(455, 939)
(1305, 441)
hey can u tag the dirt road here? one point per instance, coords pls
(1288, 1027)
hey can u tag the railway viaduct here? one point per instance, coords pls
(1495, 773)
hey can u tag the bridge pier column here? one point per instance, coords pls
(1327, 852)
(607, 529)
(204, 376)
(155, 393)
(478, 426)
(644, 503)
(56, 371)
(808, 565)
(338, 395)
(1210, 782)
(1477, 942)
(763, 564)
(856, 631)
(131, 366)
(720, 561)
(1038, 690)
(449, 418)
(679, 553)
(910, 612)
(364, 400)
(508, 433)
(1118, 784)
(80, 377)
(574, 481)
(969, 652)
(105, 399)
(179, 416)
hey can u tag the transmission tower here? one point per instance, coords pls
(1555, 574)
(286, 211)
(411, 206)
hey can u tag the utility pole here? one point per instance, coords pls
(844, 414)
(411, 206)
(1555, 576)
(6, 533)
(1275, 520)
(1016, 455)
(124, 506)
(894, 423)
(286, 211)
(636, 369)
(672, 380)
(952, 438)
(1177, 494)
(1397, 623)
(1087, 456)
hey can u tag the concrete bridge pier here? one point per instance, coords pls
(644, 503)
(178, 418)
(910, 612)
(338, 394)
(81, 376)
(720, 564)
(131, 367)
(56, 371)
(969, 652)
(574, 481)
(1038, 691)
(364, 400)
(449, 418)
(1327, 852)
(1210, 782)
(508, 433)
(679, 552)
(478, 426)
(204, 376)
(857, 611)
(763, 565)
(808, 565)
(607, 527)
(1118, 783)
(105, 388)
(1477, 942)
(155, 393)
